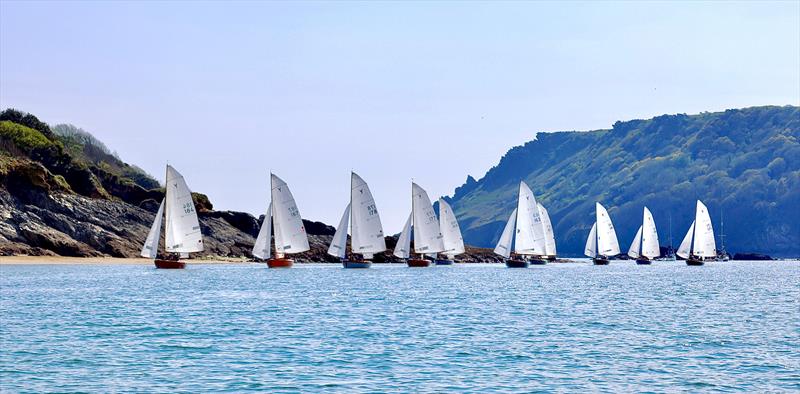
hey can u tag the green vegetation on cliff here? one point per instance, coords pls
(742, 163)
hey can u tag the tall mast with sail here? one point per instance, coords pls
(426, 231)
(645, 244)
(602, 242)
(452, 240)
(698, 245)
(530, 237)
(284, 217)
(182, 230)
(366, 230)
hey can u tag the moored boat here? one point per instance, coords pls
(366, 230)
(644, 247)
(284, 217)
(427, 234)
(182, 233)
(601, 244)
(699, 246)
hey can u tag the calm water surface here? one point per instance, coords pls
(562, 327)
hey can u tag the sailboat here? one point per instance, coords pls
(645, 244)
(290, 234)
(698, 245)
(451, 233)
(529, 240)
(549, 235)
(182, 234)
(602, 241)
(366, 231)
(722, 254)
(427, 235)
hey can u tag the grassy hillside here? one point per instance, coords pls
(743, 163)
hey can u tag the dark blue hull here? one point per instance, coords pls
(444, 262)
(517, 264)
(643, 262)
(356, 264)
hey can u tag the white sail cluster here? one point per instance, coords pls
(284, 217)
(361, 214)
(645, 243)
(534, 234)
(602, 239)
(699, 240)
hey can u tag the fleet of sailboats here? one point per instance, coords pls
(366, 230)
(533, 240)
(182, 235)
(527, 238)
(284, 217)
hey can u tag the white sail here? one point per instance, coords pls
(685, 249)
(183, 229)
(403, 247)
(530, 232)
(261, 249)
(451, 234)
(607, 244)
(650, 248)
(150, 248)
(591, 242)
(427, 236)
(704, 244)
(636, 245)
(289, 229)
(338, 246)
(503, 247)
(367, 232)
(549, 234)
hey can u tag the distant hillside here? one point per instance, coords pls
(742, 163)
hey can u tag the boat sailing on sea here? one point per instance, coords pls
(366, 231)
(290, 234)
(427, 234)
(182, 234)
(529, 240)
(699, 246)
(645, 244)
(452, 240)
(602, 244)
(549, 234)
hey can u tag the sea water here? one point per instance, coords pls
(561, 327)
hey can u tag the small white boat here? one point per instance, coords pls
(529, 238)
(290, 234)
(451, 234)
(644, 247)
(549, 235)
(427, 234)
(366, 230)
(698, 246)
(602, 242)
(182, 234)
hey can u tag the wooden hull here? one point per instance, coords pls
(444, 262)
(356, 264)
(280, 263)
(169, 264)
(600, 261)
(694, 262)
(643, 262)
(418, 263)
(517, 264)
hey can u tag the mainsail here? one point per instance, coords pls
(607, 244)
(403, 247)
(261, 249)
(338, 247)
(530, 232)
(704, 244)
(451, 234)
(289, 229)
(503, 247)
(427, 236)
(367, 232)
(549, 234)
(650, 247)
(150, 248)
(183, 229)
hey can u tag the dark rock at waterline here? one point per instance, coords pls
(751, 256)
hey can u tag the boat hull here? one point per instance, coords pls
(444, 262)
(356, 264)
(517, 263)
(551, 258)
(694, 262)
(643, 262)
(539, 261)
(169, 264)
(600, 261)
(280, 263)
(418, 263)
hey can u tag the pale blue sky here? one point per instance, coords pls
(426, 90)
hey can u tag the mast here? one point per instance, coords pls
(412, 212)
(721, 230)
(352, 234)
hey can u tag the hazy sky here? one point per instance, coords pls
(394, 91)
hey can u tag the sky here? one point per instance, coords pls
(429, 91)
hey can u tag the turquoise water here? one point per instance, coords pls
(562, 327)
